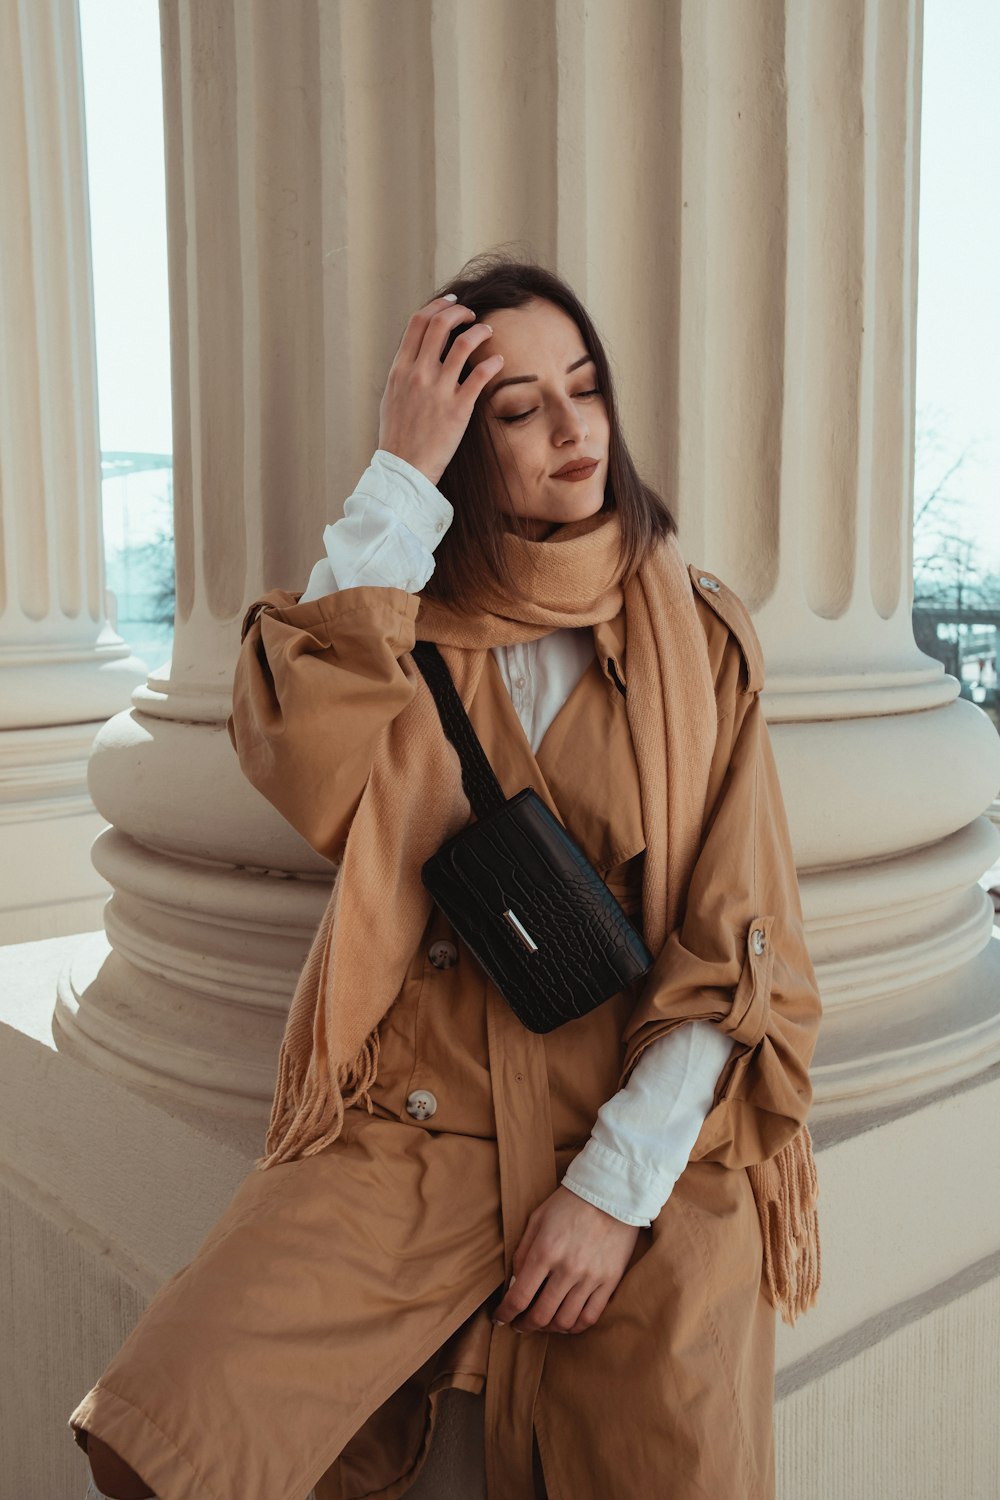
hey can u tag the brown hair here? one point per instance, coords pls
(472, 546)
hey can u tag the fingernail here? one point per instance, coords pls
(451, 296)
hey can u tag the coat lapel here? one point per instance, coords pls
(585, 761)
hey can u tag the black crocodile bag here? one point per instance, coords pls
(519, 891)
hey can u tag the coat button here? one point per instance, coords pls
(710, 583)
(443, 954)
(758, 939)
(421, 1104)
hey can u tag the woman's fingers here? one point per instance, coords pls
(579, 1252)
(567, 1314)
(564, 1304)
(438, 329)
(542, 1283)
(540, 1315)
(416, 328)
(468, 340)
(520, 1293)
(591, 1309)
(557, 1307)
(424, 411)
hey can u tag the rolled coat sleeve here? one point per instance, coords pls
(315, 686)
(739, 957)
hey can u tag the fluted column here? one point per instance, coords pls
(187, 991)
(796, 442)
(745, 235)
(63, 669)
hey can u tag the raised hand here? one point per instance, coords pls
(424, 410)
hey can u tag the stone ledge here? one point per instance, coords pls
(907, 1202)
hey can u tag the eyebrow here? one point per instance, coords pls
(524, 379)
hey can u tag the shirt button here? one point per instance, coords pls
(758, 939)
(442, 954)
(421, 1104)
(710, 583)
(438, 525)
(519, 682)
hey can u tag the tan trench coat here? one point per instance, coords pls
(309, 1340)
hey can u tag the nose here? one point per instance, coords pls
(569, 424)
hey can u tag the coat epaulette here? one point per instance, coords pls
(734, 613)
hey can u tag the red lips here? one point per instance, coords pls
(578, 466)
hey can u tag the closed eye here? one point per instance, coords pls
(520, 416)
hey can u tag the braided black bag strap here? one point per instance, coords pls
(479, 782)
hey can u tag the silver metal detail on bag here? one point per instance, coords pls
(758, 939)
(522, 933)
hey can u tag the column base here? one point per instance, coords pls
(48, 884)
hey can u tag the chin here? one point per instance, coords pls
(538, 520)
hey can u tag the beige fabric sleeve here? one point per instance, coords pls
(315, 685)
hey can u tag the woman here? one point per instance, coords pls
(438, 1181)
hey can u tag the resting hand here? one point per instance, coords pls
(580, 1252)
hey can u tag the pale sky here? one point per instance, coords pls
(124, 109)
(958, 286)
(958, 321)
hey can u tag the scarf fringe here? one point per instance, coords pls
(785, 1190)
(306, 1118)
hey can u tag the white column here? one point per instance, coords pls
(63, 669)
(215, 897)
(800, 146)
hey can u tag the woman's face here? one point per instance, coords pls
(544, 412)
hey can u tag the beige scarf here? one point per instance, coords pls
(414, 800)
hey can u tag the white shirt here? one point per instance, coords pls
(643, 1136)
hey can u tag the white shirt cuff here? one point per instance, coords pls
(643, 1136)
(411, 496)
(391, 524)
